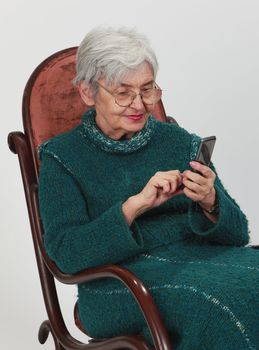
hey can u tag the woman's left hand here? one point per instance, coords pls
(199, 187)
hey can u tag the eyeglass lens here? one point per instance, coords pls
(149, 96)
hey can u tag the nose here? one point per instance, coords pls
(137, 102)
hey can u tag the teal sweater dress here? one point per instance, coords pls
(203, 279)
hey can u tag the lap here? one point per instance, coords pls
(196, 286)
(199, 265)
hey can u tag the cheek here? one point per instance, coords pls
(114, 116)
(111, 111)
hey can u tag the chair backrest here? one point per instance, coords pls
(52, 104)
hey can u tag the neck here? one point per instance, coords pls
(140, 139)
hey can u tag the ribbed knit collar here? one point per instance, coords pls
(139, 140)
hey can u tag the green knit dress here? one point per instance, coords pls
(203, 279)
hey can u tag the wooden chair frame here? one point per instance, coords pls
(23, 144)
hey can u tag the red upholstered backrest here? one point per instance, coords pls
(52, 104)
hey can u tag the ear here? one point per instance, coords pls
(86, 93)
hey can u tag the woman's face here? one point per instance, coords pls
(122, 122)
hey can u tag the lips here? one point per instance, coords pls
(135, 116)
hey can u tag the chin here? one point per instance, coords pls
(135, 127)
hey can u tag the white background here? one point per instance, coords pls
(209, 70)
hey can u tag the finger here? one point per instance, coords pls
(198, 189)
(175, 185)
(206, 183)
(203, 169)
(163, 184)
(192, 195)
(169, 175)
(195, 177)
(173, 172)
(175, 182)
(174, 177)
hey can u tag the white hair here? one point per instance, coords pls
(111, 53)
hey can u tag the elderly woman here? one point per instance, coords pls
(120, 189)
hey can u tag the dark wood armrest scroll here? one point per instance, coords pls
(171, 120)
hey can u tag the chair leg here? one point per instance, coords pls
(43, 334)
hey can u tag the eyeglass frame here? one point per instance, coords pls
(133, 96)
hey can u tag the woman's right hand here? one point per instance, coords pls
(159, 189)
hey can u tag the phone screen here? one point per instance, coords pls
(205, 150)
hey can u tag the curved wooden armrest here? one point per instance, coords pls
(136, 287)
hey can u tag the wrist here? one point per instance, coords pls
(132, 208)
(210, 205)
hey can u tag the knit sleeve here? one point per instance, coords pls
(232, 225)
(72, 240)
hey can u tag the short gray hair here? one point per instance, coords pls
(111, 53)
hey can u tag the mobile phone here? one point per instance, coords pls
(205, 150)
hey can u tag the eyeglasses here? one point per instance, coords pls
(149, 95)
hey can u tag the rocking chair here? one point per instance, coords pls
(51, 105)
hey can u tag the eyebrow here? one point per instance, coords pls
(128, 85)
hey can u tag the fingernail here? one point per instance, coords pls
(193, 164)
